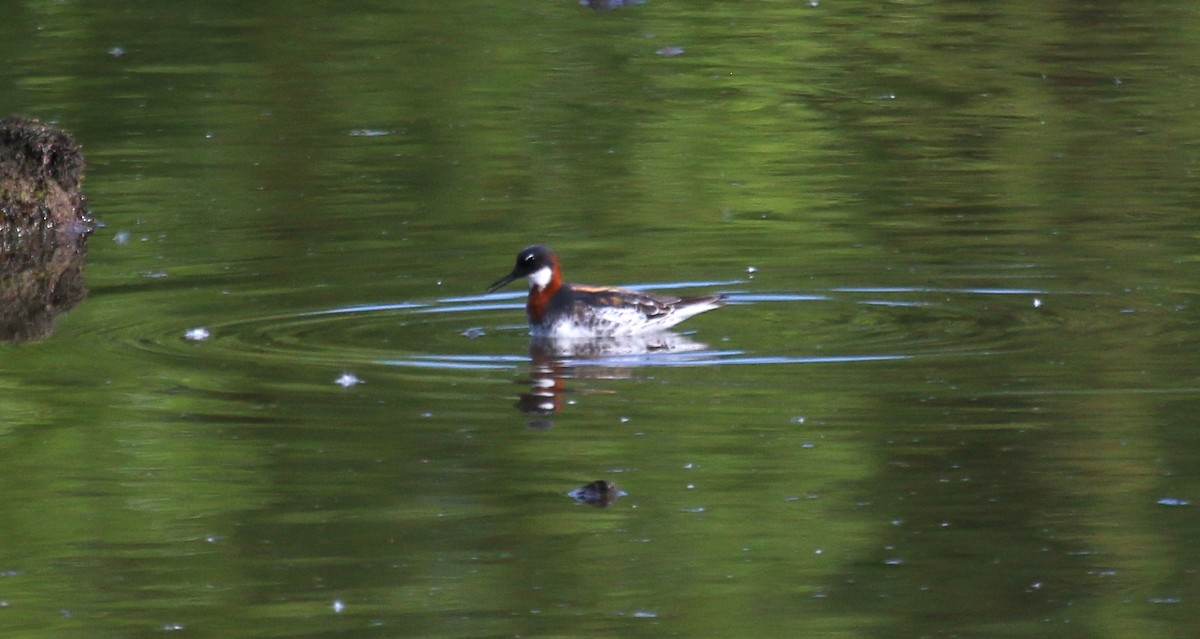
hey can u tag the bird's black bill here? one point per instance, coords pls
(501, 282)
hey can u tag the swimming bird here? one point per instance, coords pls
(558, 309)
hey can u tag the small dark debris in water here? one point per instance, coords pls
(473, 332)
(670, 52)
(599, 493)
(608, 5)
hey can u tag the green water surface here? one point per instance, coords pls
(955, 395)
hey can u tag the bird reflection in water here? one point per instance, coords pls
(552, 361)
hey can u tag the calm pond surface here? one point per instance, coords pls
(955, 393)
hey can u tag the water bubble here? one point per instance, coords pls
(197, 334)
(346, 380)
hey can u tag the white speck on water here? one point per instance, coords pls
(670, 51)
(798, 419)
(121, 237)
(208, 135)
(645, 614)
(692, 509)
(1037, 303)
(368, 133)
(116, 51)
(689, 466)
(624, 419)
(197, 334)
(172, 627)
(808, 445)
(752, 269)
(338, 605)
(474, 332)
(893, 561)
(346, 380)
(1172, 501)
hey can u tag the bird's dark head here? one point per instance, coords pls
(537, 263)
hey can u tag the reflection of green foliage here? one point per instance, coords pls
(230, 487)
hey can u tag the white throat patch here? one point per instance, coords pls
(541, 277)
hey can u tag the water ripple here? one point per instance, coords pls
(837, 326)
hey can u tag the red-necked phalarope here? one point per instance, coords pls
(558, 309)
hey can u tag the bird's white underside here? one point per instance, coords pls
(616, 321)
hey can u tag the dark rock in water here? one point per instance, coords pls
(44, 226)
(598, 493)
(608, 5)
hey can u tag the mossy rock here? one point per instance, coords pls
(44, 226)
